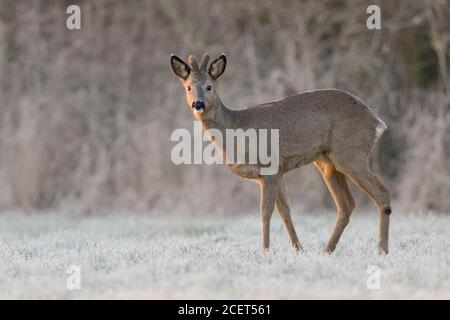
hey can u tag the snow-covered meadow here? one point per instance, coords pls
(180, 256)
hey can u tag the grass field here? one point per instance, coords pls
(146, 256)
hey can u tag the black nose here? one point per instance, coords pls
(198, 105)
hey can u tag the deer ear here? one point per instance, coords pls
(180, 68)
(217, 67)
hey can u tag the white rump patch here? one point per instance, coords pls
(380, 128)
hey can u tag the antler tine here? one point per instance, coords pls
(193, 62)
(204, 64)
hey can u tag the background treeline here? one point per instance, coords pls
(86, 116)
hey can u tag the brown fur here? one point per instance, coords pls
(331, 128)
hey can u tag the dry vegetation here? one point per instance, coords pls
(129, 256)
(86, 116)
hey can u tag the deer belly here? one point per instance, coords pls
(248, 171)
(296, 161)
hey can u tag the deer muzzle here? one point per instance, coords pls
(199, 106)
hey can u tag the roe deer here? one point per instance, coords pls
(329, 127)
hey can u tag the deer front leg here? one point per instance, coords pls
(282, 204)
(268, 186)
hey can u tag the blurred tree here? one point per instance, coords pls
(86, 115)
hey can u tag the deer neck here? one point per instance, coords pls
(222, 119)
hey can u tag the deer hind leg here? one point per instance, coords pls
(360, 174)
(268, 185)
(337, 185)
(282, 204)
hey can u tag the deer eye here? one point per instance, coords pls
(208, 88)
(188, 88)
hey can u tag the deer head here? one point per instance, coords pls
(199, 82)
